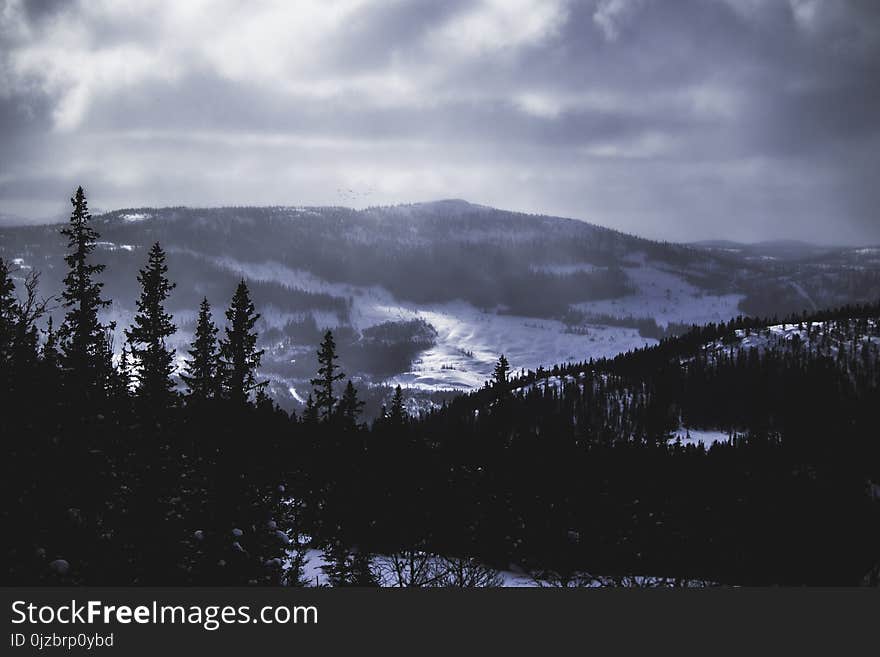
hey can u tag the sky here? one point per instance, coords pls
(673, 119)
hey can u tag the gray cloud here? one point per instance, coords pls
(745, 119)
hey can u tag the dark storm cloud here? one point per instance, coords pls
(746, 119)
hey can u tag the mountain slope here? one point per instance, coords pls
(456, 282)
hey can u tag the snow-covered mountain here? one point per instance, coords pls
(428, 295)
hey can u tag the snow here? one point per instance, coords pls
(667, 297)
(469, 340)
(704, 437)
(60, 566)
(563, 270)
(778, 335)
(111, 246)
(133, 217)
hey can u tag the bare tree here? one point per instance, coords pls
(32, 307)
(409, 568)
(581, 579)
(465, 572)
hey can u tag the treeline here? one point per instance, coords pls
(118, 473)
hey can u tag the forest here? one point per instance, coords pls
(121, 470)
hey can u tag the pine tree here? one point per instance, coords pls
(310, 414)
(153, 360)
(350, 406)
(398, 415)
(361, 570)
(347, 567)
(50, 347)
(328, 374)
(499, 378)
(239, 356)
(125, 375)
(201, 375)
(499, 375)
(82, 334)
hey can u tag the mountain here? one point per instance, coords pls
(427, 295)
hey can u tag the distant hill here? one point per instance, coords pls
(448, 284)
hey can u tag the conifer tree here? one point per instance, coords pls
(499, 378)
(328, 374)
(397, 416)
(81, 333)
(361, 570)
(239, 356)
(344, 566)
(499, 375)
(201, 375)
(153, 360)
(350, 406)
(310, 414)
(50, 347)
(125, 375)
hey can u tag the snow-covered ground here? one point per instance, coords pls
(704, 437)
(778, 335)
(314, 576)
(470, 340)
(133, 217)
(665, 296)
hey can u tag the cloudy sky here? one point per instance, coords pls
(690, 119)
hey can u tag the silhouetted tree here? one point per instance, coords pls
(344, 566)
(499, 374)
(397, 415)
(350, 406)
(50, 347)
(328, 374)
(310, 413)
(81, 333)
(153, 360)
(200, 369)
(239, 356)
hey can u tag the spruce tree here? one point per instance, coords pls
(153, 360)
(350, 406)
(344, 566)
(239, 356)
(499, 378)
(81, 333)
(397, 416)
(125, 374)
(201, 375)
(499, 375)
(310, 414)
(328, 374)
(50, 347)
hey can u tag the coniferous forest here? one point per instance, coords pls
(135, 465)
